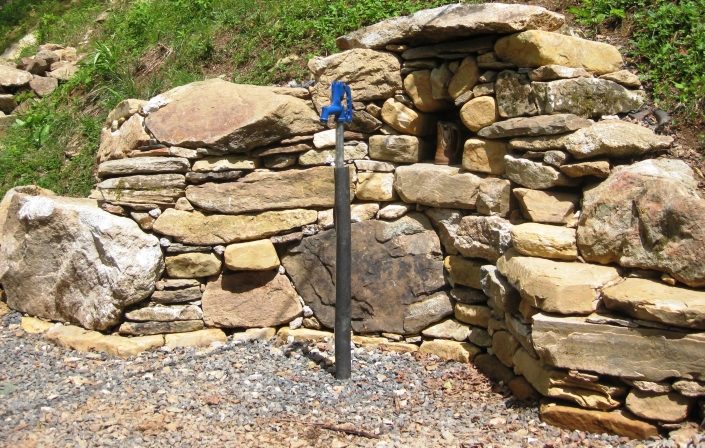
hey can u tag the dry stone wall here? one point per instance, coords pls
(506, 211)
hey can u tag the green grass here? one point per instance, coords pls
(146, 47)
(667, 42)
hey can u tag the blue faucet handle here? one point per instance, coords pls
(342, 113)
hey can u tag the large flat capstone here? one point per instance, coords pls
(66, 259)
(232, 117)
(452, 22)
(400, 268)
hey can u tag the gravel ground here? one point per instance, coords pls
(257, 394)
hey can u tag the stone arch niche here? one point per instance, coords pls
(551, 243)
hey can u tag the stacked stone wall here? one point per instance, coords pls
(506, 212)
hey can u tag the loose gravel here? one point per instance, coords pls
(258, 394)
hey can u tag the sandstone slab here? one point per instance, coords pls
(535, 126)
(375, 187)
(437, 186)
(199, 338)
(463, 271)
(314, 157)
(452, 22)
(11, 77)
(418, 85)
(257, 255)
(192, 265)
(250, 300)
(614, 138)
(552, 72)
(218, 164)
(406, 120)
(550, 207)
(165, 313)
(232, 117)
(556, 286)
(143, 165)
(596, 168)
(118, 144)
(399, 148)
(655, 301)
(479, 113)
(158, 189)
(587, 97)
(83, 340)
(576, 343)
(448, 329)
(614, 422)
(157, 328)
(546, 241)
(261, 191)
(450, 350)
(535, 48)
(647, 215)
(476, 315)
(671, 407)
(198, 229)
(66, 259)
(534, 175)
(407, 251)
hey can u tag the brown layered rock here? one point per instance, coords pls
(462, 271)
(231, 117)
(437, 186)
(534, 175)
(118, 144)
(614, 422)
(485, 237)
(655, 301)
(198, 229)
(536, 48)
(452, 22)
(535, 126)
(159, 189)
(647, 215)
(576, 343)
(666, 407)
(550, 207)
(66, 259)
(614, 138)
(378, 81)
(556, 286)
(406, 250)
(260, 191)
(250, 300)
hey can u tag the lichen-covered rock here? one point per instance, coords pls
(66, 259)
(647, 215)
(614, 138)
(251, 299)
(452, 22)
(407, 251)
(515, 97)
(587, 97)
(378, 81)
(232, 117)
(535, 48)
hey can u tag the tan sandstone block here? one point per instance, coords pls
(257, 255)
(375, 187)
(192, 265)
(450, 350)
(200, 338)
(615, 422)
(32, 325)
(479, 112)
(546, 241)
(484, 156)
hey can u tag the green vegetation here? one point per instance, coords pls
(146, 47)
(667, 44)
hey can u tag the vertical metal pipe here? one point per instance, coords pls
(343, 261)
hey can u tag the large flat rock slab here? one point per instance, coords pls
(437, 186)
(655, 301)
(399, 266)
(647, 215)
(232, 117)
(639, 353)
(260, 191)
(452, 22)
(209, 230)
(66, 259)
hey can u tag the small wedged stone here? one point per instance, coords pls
(542, 143)
(184, 295)
(165, 313)
(450, 350)
(535, 175)
(552, 72)
(549, 207)
(535, 126)
(315, 157)
(557, 286)
(192, 265)
(257, 255)
(223, 176)
(596, 168)
(546, 241)
(155, 328)
(199, 338)
(535, 48)
(446, 222)
(613, 422)
(463, 272)
(399, 148)
(485, 237)
(464, 78)
(448, 329)
(494, 197)
(476, 315)
(418, 86)
(118, 144)
(218, 164)
(623, 77)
